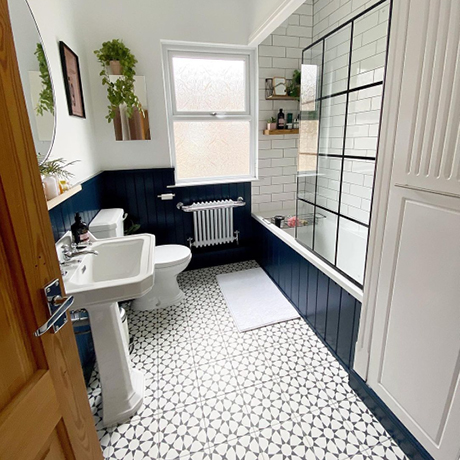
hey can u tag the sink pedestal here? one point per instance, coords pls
(122, 385)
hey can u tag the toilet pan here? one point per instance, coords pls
(170, 260)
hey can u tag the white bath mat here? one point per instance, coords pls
(254, 300)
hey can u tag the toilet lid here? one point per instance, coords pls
(171, 254)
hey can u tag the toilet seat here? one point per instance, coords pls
(168, 255)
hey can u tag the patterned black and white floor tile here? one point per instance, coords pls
(213, 393)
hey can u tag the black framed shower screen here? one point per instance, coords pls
(342, 89)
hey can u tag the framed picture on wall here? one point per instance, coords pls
(72, 81)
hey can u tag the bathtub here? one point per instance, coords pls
(352, 248)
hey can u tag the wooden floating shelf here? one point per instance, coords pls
(281, 98)
(280, 132)
(63, 196)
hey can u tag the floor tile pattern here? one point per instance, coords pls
(213, 393)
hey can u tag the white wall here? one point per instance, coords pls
(84, 25)
(279, 55)
(74, 136)
(141, 25)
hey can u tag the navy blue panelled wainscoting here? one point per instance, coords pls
(330, 310)
(88, 202)
(136, 191)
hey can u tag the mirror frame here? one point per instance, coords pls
(42, 159)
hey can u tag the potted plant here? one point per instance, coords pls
(45, 98)
(117, 56)
(293, 89)
(271, 123)
(55, 176)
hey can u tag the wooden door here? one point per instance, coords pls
(44, 409)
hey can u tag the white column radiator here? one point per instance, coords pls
(213, 222)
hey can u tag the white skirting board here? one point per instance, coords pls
(254, 300)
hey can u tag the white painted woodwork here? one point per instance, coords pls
(428, 141)
(409, 343)
(415, 356)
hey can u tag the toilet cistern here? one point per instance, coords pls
(122, 270)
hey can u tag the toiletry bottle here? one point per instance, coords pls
(79, 230)
(51, 187)
(280, 123)
(289, 121)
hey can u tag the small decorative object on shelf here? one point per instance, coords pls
(118, 57)
(271, 123)
(125, 91)
(293, 89)
(280, 121)
(296, 123)
(280, 88)
(55, 177)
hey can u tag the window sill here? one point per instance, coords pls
(213, 182)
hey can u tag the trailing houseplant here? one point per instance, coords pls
(293, 89)
(120, 91)
(45, 98)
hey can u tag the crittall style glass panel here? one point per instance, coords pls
(339, 132)
(370, 36)
(209, 85)
(336, 60)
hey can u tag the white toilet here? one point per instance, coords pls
(169, 259)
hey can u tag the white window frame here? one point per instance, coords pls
(174, 49)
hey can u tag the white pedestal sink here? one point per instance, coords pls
(122, 270)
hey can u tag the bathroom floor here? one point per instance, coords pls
(214, 393)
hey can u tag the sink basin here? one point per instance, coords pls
(123, 269)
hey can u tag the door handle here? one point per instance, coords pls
(57, 306)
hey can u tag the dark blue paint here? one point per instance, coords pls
(333, 313)
(136, 191)
(329, 309)
(88, 202)
(346, 330)
(321, 304)
(406, 441)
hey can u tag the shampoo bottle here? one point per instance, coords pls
(280, 122)
(79, 230)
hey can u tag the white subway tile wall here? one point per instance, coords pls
(329, 14)
(279, 55)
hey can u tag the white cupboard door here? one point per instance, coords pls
(415, 356)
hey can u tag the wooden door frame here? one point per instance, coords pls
(27, 235)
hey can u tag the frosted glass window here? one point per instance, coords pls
(207, 149)
(211, 101)
(209, 85)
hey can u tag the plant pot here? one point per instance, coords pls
(115, 67)
(271, 126)
(117, 125)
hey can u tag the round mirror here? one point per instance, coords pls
(35, 75)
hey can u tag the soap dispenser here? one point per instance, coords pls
(80, 231)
